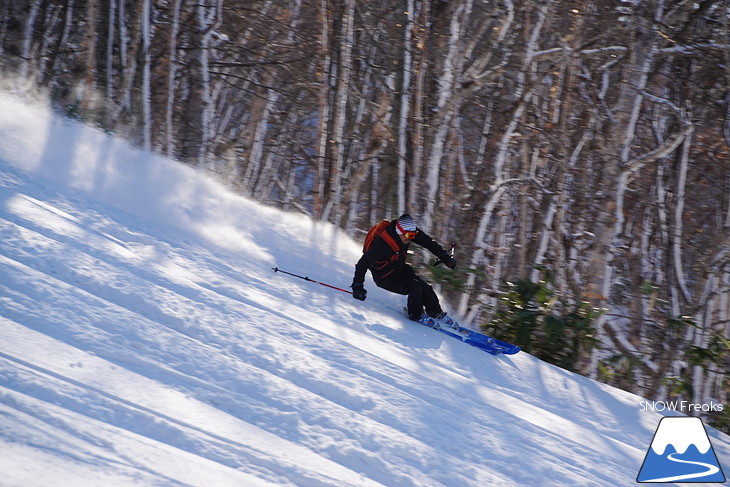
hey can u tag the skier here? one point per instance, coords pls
(384, 253)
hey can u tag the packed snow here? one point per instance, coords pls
(146, 341)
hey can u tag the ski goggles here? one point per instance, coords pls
(408, 234)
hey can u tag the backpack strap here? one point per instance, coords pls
(380, 229)
(389, 240)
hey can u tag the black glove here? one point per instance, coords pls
(359, 292)
(450, 262)
(447, 260)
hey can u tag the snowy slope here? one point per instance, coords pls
(146, 341)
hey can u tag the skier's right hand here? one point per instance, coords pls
(359, 292)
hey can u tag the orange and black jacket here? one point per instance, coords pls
(384, 262)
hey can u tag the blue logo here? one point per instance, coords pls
(680, 452)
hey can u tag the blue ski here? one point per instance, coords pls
(474, 338)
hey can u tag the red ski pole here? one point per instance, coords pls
(276, 269)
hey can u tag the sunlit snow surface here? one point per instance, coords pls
(146, 341)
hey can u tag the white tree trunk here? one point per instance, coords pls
(320, 155)
(146, 102)
(172, 80)
(405, 106)
(447, 106)
(334, 203)
(27, 44)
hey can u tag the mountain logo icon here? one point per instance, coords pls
(680, 452)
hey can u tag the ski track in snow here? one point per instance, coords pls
(159, 349)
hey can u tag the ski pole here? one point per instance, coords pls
(276, 269)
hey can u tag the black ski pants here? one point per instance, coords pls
(420, 294)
